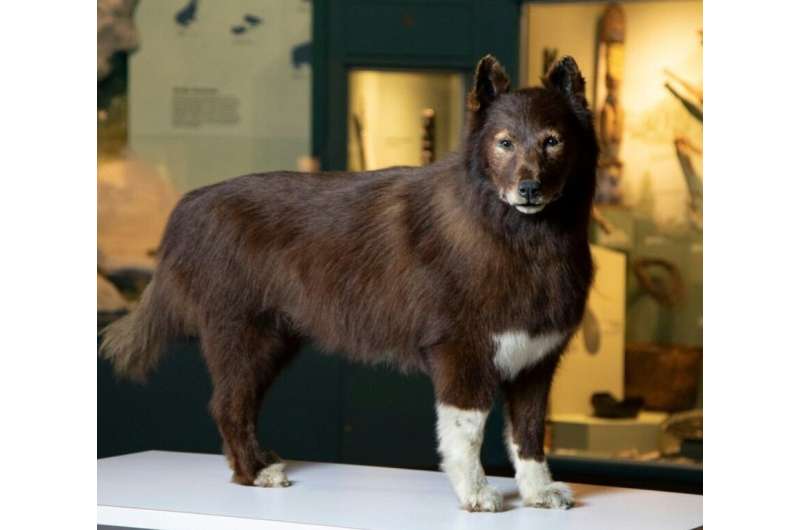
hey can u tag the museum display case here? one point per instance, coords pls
(402, 118)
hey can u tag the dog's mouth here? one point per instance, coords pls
(530, 207)
(536, 205)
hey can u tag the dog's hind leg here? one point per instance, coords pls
(243, 359)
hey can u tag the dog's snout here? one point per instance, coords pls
(529, 188)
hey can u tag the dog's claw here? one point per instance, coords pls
(555, 495)
(486, 499)
(272, 476)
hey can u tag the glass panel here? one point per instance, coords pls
(402, 118)
(641, 340)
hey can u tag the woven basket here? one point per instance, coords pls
(667, 377)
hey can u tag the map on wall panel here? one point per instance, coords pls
(301, 54)
(186, 15)
(221, 88)
(248, 22)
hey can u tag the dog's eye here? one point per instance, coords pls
(506, 144)
(551, 141)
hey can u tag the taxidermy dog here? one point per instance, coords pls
(474, 270)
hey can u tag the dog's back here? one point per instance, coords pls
(352, 261)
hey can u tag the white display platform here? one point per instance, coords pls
(187, 491)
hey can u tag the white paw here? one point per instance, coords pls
(272, 476)
(485, 499)
(554, 495)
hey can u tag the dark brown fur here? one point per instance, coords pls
(419, 267)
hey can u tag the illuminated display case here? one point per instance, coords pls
(643, 67)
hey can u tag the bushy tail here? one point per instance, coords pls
(135, 342)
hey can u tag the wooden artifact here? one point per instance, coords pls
(611, 116)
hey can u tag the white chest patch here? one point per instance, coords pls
(516, 350)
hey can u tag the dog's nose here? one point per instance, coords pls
(528, 189)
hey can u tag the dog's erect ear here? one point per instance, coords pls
(565, 77)
(490, 81)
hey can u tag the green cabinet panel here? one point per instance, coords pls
(406, 30)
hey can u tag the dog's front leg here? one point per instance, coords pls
(526, 407)
(460, 433)
(464, 387)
